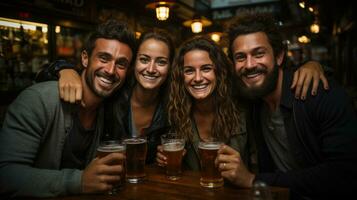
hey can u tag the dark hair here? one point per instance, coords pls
(251, 22)
(160, 35)
(111, 29)
(180, 101)
(163, 36)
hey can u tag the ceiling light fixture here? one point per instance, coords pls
(162, 9)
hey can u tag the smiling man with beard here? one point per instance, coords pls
(309, 146)
(48, 147)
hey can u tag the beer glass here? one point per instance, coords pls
(210, 175)
(136, 150)
(111, 146)
(173, 148)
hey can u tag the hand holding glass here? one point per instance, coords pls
(108, 147)
(173, 147)
(210, 175)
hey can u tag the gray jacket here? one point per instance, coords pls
(31, 144)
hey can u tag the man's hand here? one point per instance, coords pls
(232, 167)
(100, 175)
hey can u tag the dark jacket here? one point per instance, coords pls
(119, 123)
(322, 134)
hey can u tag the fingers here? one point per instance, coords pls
(324, 81)
(306, 86)
(299, 84)
(315, 85)
(161, 159)
(112, 158)
(225, 149)
(295, 78)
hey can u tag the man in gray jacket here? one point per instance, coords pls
(47, 147)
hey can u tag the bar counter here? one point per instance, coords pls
(157, 187)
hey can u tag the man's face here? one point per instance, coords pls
(105, 69)
(255, 65)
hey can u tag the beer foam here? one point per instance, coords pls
(209, 146)
(135, 141)
(111, 148)
(173, 146)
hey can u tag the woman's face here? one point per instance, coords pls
(152, 64)
(199, 74)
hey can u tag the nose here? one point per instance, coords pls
(251, 63)
(198, 76)
(110, 68)
(151, 68)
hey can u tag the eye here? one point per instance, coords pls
(207, 68)
(122, 64)
(239, 57)
(188, 71)
(103, 58)
(259, 54)
(144, 60)
(162, 62)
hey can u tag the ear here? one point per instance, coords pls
(280, 58)
(85, 58)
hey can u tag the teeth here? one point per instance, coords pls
(199, 86)
(149, 77)
(252, 75)
(104, 80)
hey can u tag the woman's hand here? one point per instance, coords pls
(161, 159)
(70, 86)
(310, 71)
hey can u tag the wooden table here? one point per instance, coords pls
(157, 186)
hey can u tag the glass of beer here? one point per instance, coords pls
(173, 149)
(111, 146)
(210, 175)
(136, 150)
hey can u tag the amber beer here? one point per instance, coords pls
(210, 175)
(173, 150)
(136, 150)
(108, 147)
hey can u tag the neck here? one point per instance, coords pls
(143, 97)
(273, 99)
(203, 107)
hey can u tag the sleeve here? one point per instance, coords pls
(50, 71)
(21, 138)
(334, 172)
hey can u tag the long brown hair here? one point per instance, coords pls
(180, 101)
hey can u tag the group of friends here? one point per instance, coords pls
(277, 123)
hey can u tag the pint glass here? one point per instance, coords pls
(173, 149)
(210, 175)
(108, 147)
(136, 150)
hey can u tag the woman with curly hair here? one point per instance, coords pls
(200, 103)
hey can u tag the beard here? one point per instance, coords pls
(90, 76)
(257, 92)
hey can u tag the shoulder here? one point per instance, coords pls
(41, 95)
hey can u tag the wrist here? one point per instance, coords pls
(59, 65)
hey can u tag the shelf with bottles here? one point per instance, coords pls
(23, 50)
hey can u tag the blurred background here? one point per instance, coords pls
(35, 32)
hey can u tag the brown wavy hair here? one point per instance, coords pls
(180, 103)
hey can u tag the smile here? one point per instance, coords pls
(149, 77)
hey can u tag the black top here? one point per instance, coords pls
(322, 134)
(77, 145)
